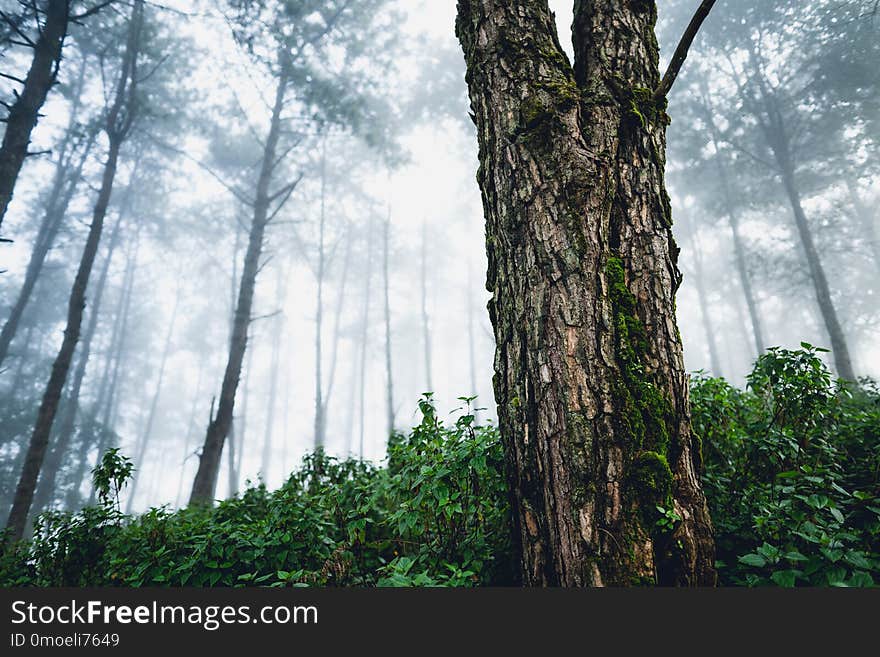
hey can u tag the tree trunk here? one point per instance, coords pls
(319, 309)
(839, 347)
(273, 376)
(739, 249)
(24, 493)
(205, 482)
(426, 320)
(590, 382)
(117, 356)
(703, 300)
(63, 188)
(389, 371)
(25, 112)
(144, 442)
(365, 327)
(67, 422)
(190, 428)
(472, 355)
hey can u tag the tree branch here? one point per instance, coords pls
(681, 52)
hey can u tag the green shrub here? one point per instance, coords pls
(437, 515)
(792, 466)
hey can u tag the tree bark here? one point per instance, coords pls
(205, 482)
(589, 376)
(25, 111)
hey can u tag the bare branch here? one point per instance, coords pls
(681, 52)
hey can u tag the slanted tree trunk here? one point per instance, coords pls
(190, 429)
(590, 382)
(143, 444)
(118, 125)
(25, 111)
(70, 408)
(389, 371)
(205, 482)
(426, 320)
(472, 356)
(776, 134)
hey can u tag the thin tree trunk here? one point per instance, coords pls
(25, 112)
(273, 377)
(117, 356)
(63, 188)
(389, 371)
(703, 300)
(67, 422)
(426, 323)
(337, 322)
(190, 429)
(236, 451)
(739, 249)
(590, 381)
(205, 482)
(365, 325)
(472, 358)
(319, 308)
(144, 442)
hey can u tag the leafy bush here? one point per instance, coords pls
(791, 472)
(436, 516)
(792, 466)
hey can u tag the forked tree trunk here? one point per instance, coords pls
(24, 113)
(589, 377)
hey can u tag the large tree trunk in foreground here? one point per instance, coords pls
(205, 481)
(24, 113)
(590, 382)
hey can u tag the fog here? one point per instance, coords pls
(375, 172)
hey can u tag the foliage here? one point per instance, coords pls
(437, 515)
(792, 476)
(792, 473)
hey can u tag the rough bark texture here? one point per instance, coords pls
(589, 377)
(25, 111)
(205, 482)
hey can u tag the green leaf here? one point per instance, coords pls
(755, 560)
